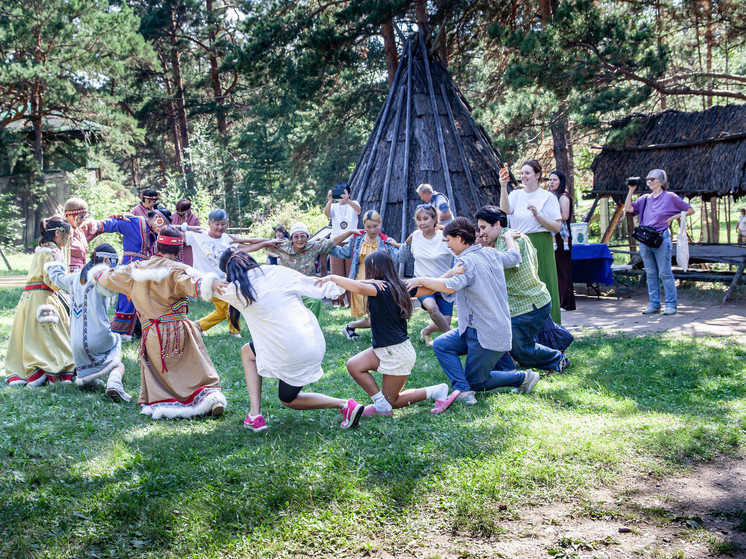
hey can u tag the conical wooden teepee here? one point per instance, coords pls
(424, 134)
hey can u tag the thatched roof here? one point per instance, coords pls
(704, 153)
(408, 147)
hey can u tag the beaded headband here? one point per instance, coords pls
(172, 241)
(81, 211)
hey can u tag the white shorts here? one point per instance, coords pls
(397, 360)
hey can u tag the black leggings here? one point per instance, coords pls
(286, 392)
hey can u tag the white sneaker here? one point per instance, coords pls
(467, 398)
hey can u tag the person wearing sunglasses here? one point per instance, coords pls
(658, 210)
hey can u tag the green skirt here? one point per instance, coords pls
(314, 305)
(544, 244)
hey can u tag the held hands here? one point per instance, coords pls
(412, 283)
(456, 270)
(511, 233)
(219, 286)
(409, 240)
(382, 285)
(326, 279)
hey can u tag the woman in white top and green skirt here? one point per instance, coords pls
(535, 212)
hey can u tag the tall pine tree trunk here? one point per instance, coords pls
(443, 45)
(175, 136)
(179, 104)
(563, 149)
(389, 47)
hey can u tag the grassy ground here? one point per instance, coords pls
(84, 477)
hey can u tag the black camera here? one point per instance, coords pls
(337, 192)
(633, 181)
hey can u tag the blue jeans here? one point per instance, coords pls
(657, 263)
(525, 350)
(478, 374)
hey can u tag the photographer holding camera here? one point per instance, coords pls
(343, 213)
(657, 211)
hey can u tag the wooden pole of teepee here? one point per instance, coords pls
(460, 148)
(379, 130)
(436, 117)
(392, 154)
(405, 175)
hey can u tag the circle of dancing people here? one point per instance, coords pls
(492, 273)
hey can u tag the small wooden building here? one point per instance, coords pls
(703, 153)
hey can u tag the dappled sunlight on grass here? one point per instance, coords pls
(87, 477)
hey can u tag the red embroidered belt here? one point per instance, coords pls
(165, 319)
(35, 286)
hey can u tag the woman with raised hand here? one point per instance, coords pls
(358, 249)
(389, 306)
(432, 259)
(39, 346)
(287, 342)
(97, 351)
(535, 212)
(177, 378)
(658, 210)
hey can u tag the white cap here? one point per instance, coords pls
(299, 228)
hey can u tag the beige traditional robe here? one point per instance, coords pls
(178, 378)
(39, 347)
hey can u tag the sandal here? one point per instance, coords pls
(443, 405)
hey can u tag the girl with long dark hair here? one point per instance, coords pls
(563, 240)
(287, 342)
(39, 346)
(389, 305)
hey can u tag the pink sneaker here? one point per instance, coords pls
(351, 414)
(371, 411)
(257, 424)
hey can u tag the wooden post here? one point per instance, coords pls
(2, 253)
(613, 223)
(630, 228)
(604, 218)
(407, 134)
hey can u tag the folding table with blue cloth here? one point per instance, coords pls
(591, 265)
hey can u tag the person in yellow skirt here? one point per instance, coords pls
(361, 246)
(39, 348)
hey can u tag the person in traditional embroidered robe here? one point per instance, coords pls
(177, 377)
(39, 346)
(138, 240)
(97, 351)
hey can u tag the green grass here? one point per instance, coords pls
(84, 477)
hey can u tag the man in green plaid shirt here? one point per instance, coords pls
(528, 297)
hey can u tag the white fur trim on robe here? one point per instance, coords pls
(100, 288)
(47, 313)
(206, 292)
(150, 274)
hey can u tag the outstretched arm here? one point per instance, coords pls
(343, 236)
(350, 285)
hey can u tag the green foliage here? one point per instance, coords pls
(10, 224)
(104, 198)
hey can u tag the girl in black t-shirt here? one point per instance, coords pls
(390, 306)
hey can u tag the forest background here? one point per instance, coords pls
(257, 106)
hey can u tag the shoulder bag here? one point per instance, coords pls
(645, 234)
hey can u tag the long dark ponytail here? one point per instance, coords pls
(379, 265)
(236, 264)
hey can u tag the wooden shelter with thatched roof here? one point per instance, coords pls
(703, 153)
(424, 134)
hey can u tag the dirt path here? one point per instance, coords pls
(697, 316)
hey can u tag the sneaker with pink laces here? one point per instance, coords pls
(351, 413)
(371, 411)
(257, 424)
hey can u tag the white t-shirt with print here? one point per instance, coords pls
(207, 251)
(344, 217)
(432, 258)
(546, 204)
